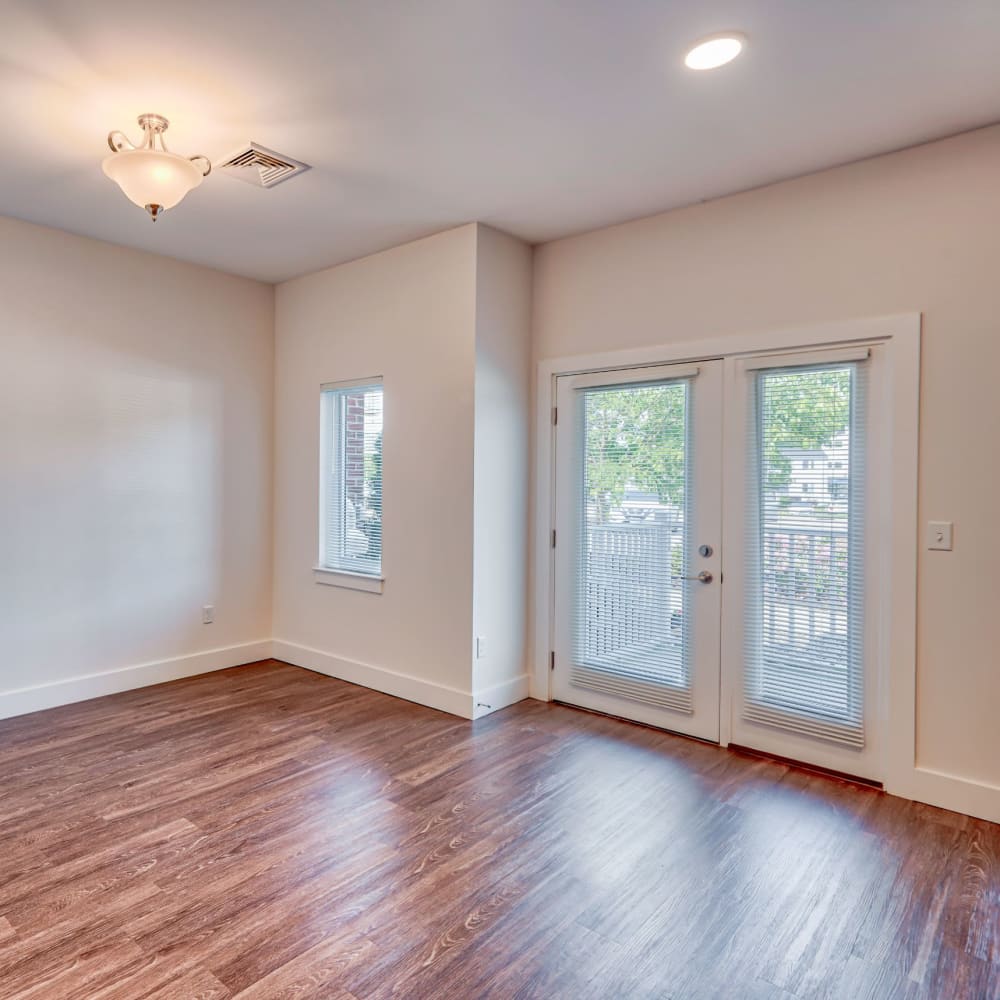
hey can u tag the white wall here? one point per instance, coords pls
(408, 315)
(446, 322)
(914, 231)
(502, 444)
(135, 467)
(137, 438)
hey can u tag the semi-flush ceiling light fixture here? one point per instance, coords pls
(715, 51)
(150, 175)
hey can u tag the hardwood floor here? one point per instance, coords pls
(267, 833)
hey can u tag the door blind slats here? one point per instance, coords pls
(805, 596)
(631, 627)
(649, 691)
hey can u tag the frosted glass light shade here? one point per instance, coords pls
(151, 176)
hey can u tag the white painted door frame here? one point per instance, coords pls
(900, 337)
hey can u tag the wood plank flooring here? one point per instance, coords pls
(265, 833)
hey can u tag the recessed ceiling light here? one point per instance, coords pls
(715, 51)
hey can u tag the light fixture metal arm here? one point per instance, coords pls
(208, 163)
(118, 141)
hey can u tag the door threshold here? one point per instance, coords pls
(632, 722)
(802, 765)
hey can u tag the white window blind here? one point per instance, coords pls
(631, 630)
(805, 669)
(351, 477)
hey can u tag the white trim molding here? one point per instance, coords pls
(950, 791)
(350, 581)
(400, 685)
(20, 701)
(463, 704)
(497, 696)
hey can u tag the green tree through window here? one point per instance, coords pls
(636, 436)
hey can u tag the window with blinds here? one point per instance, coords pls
(351, 477)
(631, 627)
(805, 669)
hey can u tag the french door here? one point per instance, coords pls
(715, 563)
(803, 525)
(638, 526)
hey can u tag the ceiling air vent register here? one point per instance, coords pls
(261, 166)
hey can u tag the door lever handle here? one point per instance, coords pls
(703, 577)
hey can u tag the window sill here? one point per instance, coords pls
(352, 581)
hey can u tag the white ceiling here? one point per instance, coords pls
(542, 117)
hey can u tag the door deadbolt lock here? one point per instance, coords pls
(705, 550)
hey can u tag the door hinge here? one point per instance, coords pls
(555, 415)
(552, 660)
(553, 538)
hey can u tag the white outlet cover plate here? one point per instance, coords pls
(939, 535)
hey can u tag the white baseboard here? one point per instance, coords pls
(492, 699)
(439, 696)
(949, 791)
(33, 699)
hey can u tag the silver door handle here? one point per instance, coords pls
(703, 577)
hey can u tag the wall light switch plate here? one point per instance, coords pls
(939, 535)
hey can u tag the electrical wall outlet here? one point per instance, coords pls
(480, 646)
(939, 535)
(208, 614)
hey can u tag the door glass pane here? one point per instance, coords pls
(631, 626)
(805, 629)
